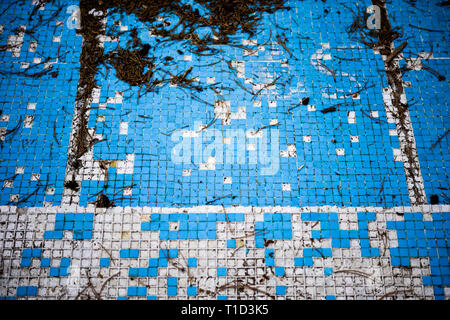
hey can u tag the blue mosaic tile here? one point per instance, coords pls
(104, 262)
(25, 291)
(281, 197)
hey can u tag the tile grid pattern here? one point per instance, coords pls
(175, 249)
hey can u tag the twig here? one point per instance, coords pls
(425, 29)
(439, 140)
(107, 252)
(208, 125)
(382, 187)
(24, 199)
(328, 110)
(54, 132)
(328, 69)
(265, 86)
(170, 132)
(395, 292)
(165, 253)
(340, 124)
(254, 233)
(214, 200)
(265, 127)
(241, 245)
(240, 286)
(200, 100)
(244, 88)
(365, 87)
(89, 286)
(283, 44)
(227, 219)
(16, 127)
(396, 52)
(305, 101)
(357, 272)
(370, 117)
(434, 72)
(320, 252)
(340, 193)
(294, 107)
(106, 281)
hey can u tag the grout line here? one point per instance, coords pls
(233, 209)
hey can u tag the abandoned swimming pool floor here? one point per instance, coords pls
(319, 206)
